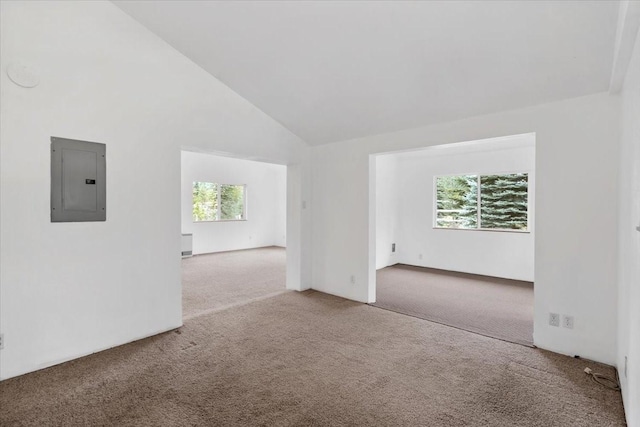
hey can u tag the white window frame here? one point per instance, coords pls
(219, 202)
(479, 221)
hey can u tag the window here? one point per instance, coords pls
(488, 202)
(231, 202)
(218, 202)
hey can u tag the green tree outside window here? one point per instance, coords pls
(218, 202)
(503, 201)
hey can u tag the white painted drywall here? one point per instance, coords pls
(629, 242)
(72, 289)
(265, 203)
(387, 210)
(410, 197)
(332, 70)
(576, 220)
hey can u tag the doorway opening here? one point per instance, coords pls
(233, 231)
(454, 235)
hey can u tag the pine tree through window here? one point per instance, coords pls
(493, 202)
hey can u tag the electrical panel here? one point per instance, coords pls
(78, 181)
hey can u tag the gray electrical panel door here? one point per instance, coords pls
(78, 181)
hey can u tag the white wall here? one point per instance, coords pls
(499, 254)
(576, 221)
(387, 212)
(629, 242)
(265, 203)
(71, 289)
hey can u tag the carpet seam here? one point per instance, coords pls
(238, 304)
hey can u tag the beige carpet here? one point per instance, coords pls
(498, 308)
(220, 280)
(310, 359)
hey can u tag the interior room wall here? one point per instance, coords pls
(500, 254)
(629, 242)
(265, 203)
(387, 209)
(71, 289)
(575, 225)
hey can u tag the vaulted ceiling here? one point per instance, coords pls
(331, 71)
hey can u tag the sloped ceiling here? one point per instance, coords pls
(332, 71)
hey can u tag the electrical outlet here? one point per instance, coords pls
(1, 341)
(554, 319)
(419, 256)
(567, 322)
(353, 279)
(393, 247)
(625, 366)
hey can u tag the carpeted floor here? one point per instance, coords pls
(498, 308)
(311, 359)
(220, 280)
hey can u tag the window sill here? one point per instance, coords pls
(492, 230)
(220, 220)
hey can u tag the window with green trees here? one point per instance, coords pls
(496, 202)
(218, 202)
